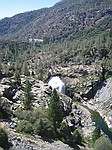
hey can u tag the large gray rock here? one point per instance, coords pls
(66, 103)
(102, 101)
(80, 117)
(20, 142)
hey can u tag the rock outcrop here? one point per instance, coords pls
(102, 101)
(76, 115)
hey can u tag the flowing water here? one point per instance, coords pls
(100, 121)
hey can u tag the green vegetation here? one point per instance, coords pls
(54, 110)
(3, 139)
(94, 114)
(96, 134)
(95, 49)
(40, 76)
(65, 134)
(25, 70)
(83, 38)
(5, 112)
(28, 97)
(43, 128)
(17, 77)
(48, 123)
(77, 138)
(88, 18)
(24, 126)
(37, 124)
(92, 50)
(102, 144)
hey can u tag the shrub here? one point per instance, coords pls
(96, 133)
(35, 114)
(43, 128)
(24, 126)
(64, 130)
(3, 138)
(5, 111)
(38, 123)
(102, 144)
(65, 134)
(77, 138)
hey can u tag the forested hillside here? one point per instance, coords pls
(66, 19)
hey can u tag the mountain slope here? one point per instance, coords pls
(65, 19)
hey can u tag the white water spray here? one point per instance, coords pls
(57, 84)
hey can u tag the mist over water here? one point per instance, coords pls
(56, 83)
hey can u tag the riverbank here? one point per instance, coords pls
(102, 102)
(99, 121)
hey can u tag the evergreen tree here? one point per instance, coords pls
(0, 99)
(27, 95)
(54, 110)
(40, 69)
(17, 77)
(18, 64)
(25, 70)
(0, 68)
(40, 76)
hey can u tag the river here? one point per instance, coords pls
(100, 121)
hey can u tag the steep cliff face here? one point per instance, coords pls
(102, 101)
(67, 18)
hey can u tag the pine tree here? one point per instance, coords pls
(0, 69)
(54, 110)
(40, 76)
(27, 96)
(17, 77)
(25, 70)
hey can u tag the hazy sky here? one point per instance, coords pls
(8, 8)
